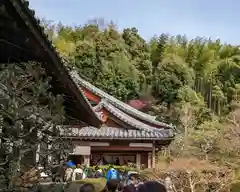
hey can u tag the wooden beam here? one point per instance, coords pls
(149, 160)
(120, 148)
(154, 156)
(150, 145)
(138, 160)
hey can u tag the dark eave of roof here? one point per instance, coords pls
(37, 47)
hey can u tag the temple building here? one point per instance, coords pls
(106, 129)
(126, 134)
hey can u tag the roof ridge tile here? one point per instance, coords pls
(114, 101)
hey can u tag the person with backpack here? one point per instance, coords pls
(112, 173)
(77, 173)
(113, 180)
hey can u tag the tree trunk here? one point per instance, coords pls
(221, 129)
(185, 147)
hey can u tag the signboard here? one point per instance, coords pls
(99, 144)
(141, 145)
(82, 150)
(93, 144)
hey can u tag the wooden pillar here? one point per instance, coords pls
(86, 160)
(138, 160)
(153, 156)
(149, 165)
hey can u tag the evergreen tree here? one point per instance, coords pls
(31, 116)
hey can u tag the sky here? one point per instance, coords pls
(208, 18)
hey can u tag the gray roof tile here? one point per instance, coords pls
(126, 118)
(119, 133)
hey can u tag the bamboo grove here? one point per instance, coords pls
(193, 83)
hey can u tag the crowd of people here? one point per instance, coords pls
(115, 183)
(113, 186)
(74, 172)
(115, 180)
(79, 172)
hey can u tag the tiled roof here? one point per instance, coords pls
(119, 133)
(28, 15)
(125, 117)
(115, 102)
(23, 5)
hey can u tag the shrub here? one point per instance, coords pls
(193, 174)
(120, 168)
(99, 184)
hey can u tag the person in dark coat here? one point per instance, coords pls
(88, 187)
(111, 186)
(117, 161)
(129, 188)
(151, 186)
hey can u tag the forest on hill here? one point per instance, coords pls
(192, 83)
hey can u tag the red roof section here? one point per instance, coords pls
(138, 104)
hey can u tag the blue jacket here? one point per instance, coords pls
(70, 164)
(112, 174)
